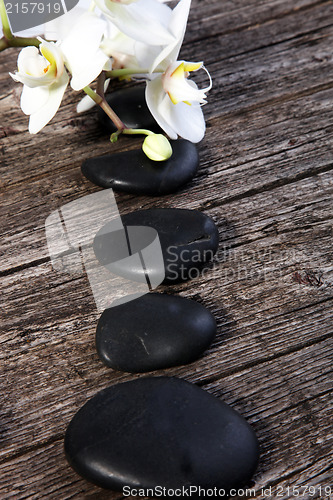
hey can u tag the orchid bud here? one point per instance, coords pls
(157, 147)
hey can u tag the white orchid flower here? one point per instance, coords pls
(151, 56)
(119, 47)
(174, 101)
(143, 20)
(82, 34)
(81, 49)
(60, 27)
(45, 80)
(121, 50)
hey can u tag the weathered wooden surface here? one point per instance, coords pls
(265, 178)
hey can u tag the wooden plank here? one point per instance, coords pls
(265, 178)
(251, 251)
(253, 73)
(301, 394)
(57, 337)
(267, 154)
(264, 253)
(213, 18)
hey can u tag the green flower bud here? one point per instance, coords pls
(157, 147)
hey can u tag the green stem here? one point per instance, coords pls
(5, 21)
(115, 135)
(116, 73)
(3, 44)
(18, 41)
(105, 107)
(130, 131)
(137, 131)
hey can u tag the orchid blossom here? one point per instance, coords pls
(81, 49)
(45, 77)
(114, 38)
(173, 99)
(119, 47)
(45, 80)
(143, 20)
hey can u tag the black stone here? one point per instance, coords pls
(188, 239)
(160, 431)
(152, 332)
(133, 172)
(131, 107)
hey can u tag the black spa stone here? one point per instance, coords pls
(152, 332)
(161, 431)
(130, 105)
(133, 172)
(188, 239)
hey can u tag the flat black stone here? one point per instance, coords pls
(161, 431)
(188, 239)
(152, 332)
(133, 172)
(131, 107)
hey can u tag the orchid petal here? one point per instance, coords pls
(145, 54)
(154, 97)
(81, 50)
(145, 20)
(85, 104)
(36, 70)
(175, 119)
(52, 53)
(32, 99)
(179, 88)
(30, 61)
(85, 75)
(59, 28)
(45, 113)
(177, 27)
(187, 121)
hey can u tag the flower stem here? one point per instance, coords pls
(100, 84)
(137, 131)
(5, 21)
(18, 41)
(101, 101)
(115, 73)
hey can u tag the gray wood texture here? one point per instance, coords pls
(265, 178)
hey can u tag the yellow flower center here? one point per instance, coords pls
(175, 81)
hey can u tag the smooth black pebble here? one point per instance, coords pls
(131, 107)
(188, 239)
(133, 172)
(160, 431)
(152, 332)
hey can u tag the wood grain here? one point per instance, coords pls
(266, 180)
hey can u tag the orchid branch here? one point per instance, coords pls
(5, 21)
(10, 40)
(18, 41)
(116, 73)
(100, 84)
(130, 131)
(101, 101)
(137, 131)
